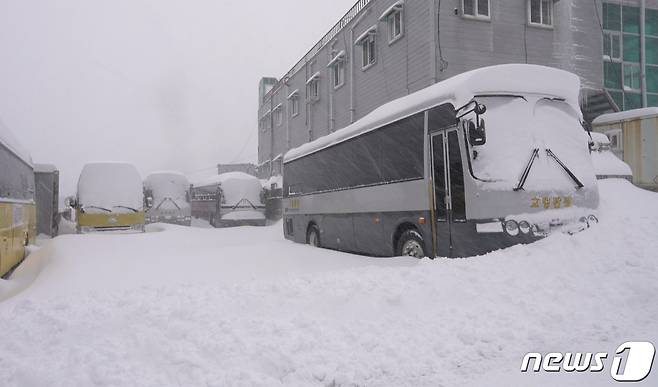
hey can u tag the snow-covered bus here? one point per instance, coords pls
(18, 226)
(484, 160)
(110, 198)
(168, 198)
(230, 199)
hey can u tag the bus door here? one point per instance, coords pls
(448, 187)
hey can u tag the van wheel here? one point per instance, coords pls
(411, 244)
(313, 236)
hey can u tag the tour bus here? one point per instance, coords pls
(484, 160)
(110, 198)
(168, 198)
(18, 226)
(235, 199)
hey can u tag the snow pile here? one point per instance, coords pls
(8, 139)
(165, 186)
(110, 185)
(246, 307)
(605, 162)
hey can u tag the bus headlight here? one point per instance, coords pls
(525, 227)
(512, 228)
(593, 219)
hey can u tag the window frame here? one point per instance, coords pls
(476, 11)
(338, 74)
(541, 23)
(390, 24)
(369, 46)
(294, 106)
(313, 88)
(278, 115)
(608, 37)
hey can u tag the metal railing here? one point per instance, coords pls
(335, 30)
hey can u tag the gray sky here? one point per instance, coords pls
(164, 84)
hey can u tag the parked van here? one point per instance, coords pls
(168, 199)
(110, 198)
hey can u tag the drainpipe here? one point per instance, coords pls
(352, 71)
(643, 53)
(330, 87)
(434, 36)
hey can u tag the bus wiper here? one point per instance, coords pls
(550, 153)
(96, 207)
(526, 172)
(127, 208)
(165, 200)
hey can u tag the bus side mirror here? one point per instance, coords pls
(477, 135)
(149, 202)
(187, 196)
(71, 202)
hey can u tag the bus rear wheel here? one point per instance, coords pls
(411, 244)
(313, 236)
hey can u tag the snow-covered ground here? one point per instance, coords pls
(243, 306)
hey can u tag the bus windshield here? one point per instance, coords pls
(516, 126)
(110, 186)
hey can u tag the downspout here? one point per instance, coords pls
(434, 36)
(330, 87)
(271, 130)
(643, 53)
(352, 71)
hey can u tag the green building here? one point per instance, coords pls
(630, 52)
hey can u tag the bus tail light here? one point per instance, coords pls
(421, 220)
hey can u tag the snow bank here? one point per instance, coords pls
(459, 90)
(626, 115)
(8, 139)
(109, 185)
(246, 307)
(605, 162)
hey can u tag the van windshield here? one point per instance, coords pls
(515, 127)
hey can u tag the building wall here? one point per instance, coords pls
(438, 43)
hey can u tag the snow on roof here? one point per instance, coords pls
(627, 115)
(313, 77)
(371, 30)
(398, 5)
(10, 142)
(339, 56)
(45, 168)
(110, 184)
(459, 90)
(294, 93)
(218, 179)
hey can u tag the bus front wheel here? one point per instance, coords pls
(313, 236)
(411, 244)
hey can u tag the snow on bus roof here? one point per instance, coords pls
(627, 115)
(8, 139)
(218, 179)
(458, 90)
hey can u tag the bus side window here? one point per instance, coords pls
(439, 177)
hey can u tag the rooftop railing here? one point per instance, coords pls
(335, 30)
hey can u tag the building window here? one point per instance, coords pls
(476, 8)
(294, 106)
(394, 23)
(368, 47)
(313, 87)
(632, 75)
(278, 115)
(293, 103)
(541, 12)
(368, 43)
(337, 68)
(338, 71)
(612, 46)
